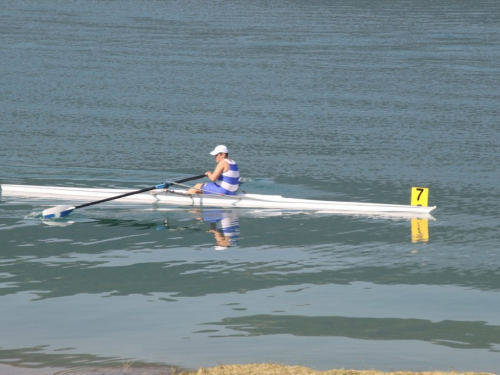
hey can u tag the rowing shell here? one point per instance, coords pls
(180, 198)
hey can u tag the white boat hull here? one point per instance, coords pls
(178, 198)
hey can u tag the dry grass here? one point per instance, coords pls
(252, 369)
(275, 369)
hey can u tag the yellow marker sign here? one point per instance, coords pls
(419, 196)
(419, 230)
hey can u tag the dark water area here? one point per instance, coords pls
(336, 100)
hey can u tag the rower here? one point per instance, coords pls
(225, 177)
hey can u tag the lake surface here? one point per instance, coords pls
(337, 100)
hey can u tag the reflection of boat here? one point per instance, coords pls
(181, 198)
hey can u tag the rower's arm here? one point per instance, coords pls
(222, 167)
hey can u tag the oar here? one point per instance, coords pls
(61, 211)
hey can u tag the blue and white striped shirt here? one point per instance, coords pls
(229, 181)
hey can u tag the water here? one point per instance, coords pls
(342, 100)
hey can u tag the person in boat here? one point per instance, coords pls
(225, 177)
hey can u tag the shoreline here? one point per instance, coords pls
(248, 369)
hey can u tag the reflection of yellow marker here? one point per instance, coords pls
(419, 230)
(419, 196)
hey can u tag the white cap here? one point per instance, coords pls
(219, 149)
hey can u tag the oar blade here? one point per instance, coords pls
(57, 212)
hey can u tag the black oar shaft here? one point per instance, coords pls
(137, 192)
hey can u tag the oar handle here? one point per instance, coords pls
(140, 191)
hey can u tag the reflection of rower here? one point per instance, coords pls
(225, 226)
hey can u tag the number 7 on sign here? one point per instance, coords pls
(419, 196)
